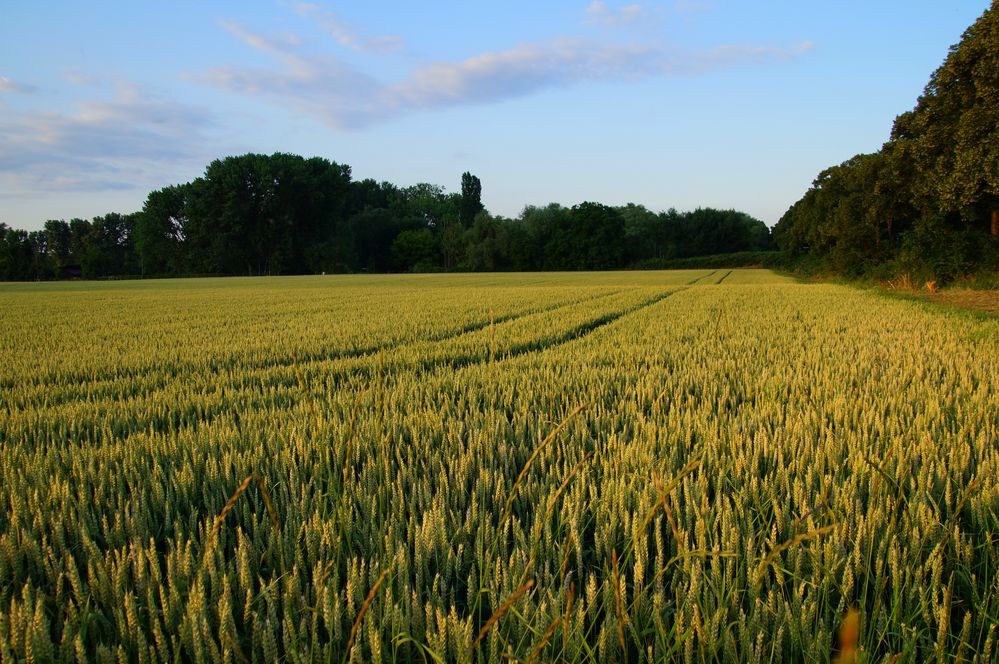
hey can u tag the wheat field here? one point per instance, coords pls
(633, 467)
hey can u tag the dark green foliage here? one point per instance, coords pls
(942, 248)
(589, 237)
(471, 198)
(707, 231)
(414, 251)
(108, 249)
(489, 245)
(924, 203)
(842, 218)
(256, 214)
(159, 230)
(97, 249)
(16, 254)
(58, 237)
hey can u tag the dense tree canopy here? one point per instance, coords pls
(284, 214)
(928, 202)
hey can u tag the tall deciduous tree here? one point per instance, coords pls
(59, 239)
(258, 214)
(952, 135)
(160, 229)
(471, 198)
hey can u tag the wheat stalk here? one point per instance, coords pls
(350, 434)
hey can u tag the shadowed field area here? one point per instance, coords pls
(980, 300)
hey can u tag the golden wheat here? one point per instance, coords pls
(226, 470)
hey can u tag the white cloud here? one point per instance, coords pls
(344, 97)
(12, 87)
(325, 87)
(518, 71)
(598, 13)
(735, 54)
(345, 34)
(79, 78)
(121, 143)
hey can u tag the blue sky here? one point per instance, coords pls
(679, 103)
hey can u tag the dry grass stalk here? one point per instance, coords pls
(565, 484)
(364, 609)
(565, 558)
(540, 522)
(230, 504)
(544, 639)
(493, 619)
(697, 553)
(797, 539)
(660, 397)
(327, 570)
(270, 505)
(312, 406)
(903, 282)
(571, 597)
(672, 527)
(622, 617)
(665, 491)
(523, 473)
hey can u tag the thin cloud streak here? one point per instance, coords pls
(105, 145)
(517, 72)
(345, 34)
(733, 55)
(12, 87)
(324, 87)
(343, 97)
(599, 14)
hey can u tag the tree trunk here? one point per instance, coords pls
(995, 223)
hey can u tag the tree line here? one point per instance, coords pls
(285, 214)
(927, 203)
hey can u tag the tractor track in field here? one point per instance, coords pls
(152, 379)
(88, 384)
(249, 393)
(574, 334)
(703, 276)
